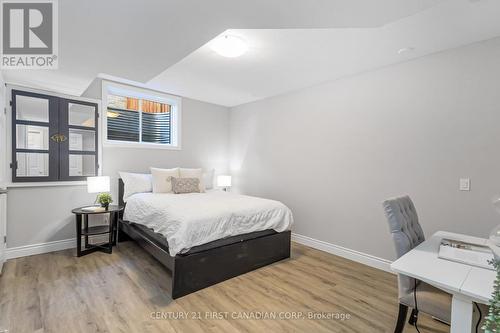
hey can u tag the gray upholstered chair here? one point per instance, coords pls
(407, 234)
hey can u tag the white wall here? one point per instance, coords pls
(38, 215)
(3, 124)
(43, 214)
(205, 143)
(334, 152)
(3, 202)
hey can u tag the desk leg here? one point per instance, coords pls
(461, 314)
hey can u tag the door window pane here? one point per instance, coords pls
(81, 165)
(32, 165)
(81, 115)
(32, 137)
(32, 108)
(81, 140)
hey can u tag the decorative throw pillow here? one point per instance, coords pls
(135, 183)
(185, 185)
(162, 179)
(193, 173)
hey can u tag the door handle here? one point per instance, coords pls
(58, 138)
(55, 137)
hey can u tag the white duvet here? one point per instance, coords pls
(188, 220)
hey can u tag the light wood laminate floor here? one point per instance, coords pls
(127, 291)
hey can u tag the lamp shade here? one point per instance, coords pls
(98, 184)
(224, 181)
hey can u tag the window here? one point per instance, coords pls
(53, 139)
(140, 118)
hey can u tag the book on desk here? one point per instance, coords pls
(472, 254)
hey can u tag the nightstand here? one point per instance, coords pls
(110, 229)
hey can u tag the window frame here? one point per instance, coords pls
(148, 94)
(58, 104)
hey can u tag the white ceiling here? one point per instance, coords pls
(298, 42)
(282, 60)
(137, 40)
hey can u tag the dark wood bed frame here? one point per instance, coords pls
(192, 272)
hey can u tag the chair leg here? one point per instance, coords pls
(413, 317)
(400, 325)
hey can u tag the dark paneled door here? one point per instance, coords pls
(35, 122)
(78, 151)
(53, 139)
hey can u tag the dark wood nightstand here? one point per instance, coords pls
(87, 231)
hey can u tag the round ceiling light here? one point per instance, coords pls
(229, 46)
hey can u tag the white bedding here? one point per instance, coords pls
(188, 220)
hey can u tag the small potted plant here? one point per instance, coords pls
(104, 199)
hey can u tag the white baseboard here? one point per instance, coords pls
(363, 258)
(29, 250)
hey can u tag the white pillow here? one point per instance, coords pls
(161, 179)
(135, 183)
(193, 173)
(208, 179)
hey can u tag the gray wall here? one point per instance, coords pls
(2, 132)
(43, 214)
(335, 151)
(205, 140)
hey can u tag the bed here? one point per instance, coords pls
(217, 247)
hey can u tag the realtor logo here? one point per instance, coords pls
(29, 34)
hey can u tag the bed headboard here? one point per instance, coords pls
(121, 190)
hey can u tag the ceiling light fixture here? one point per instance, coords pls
(229, 46)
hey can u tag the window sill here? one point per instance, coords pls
(108, 144)
(46, 184)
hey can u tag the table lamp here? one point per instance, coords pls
(101, 185)
(224, 181)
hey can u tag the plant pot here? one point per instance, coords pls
(105, 206)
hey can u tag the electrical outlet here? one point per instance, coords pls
(464, 184)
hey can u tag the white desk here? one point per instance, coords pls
(466, 283)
